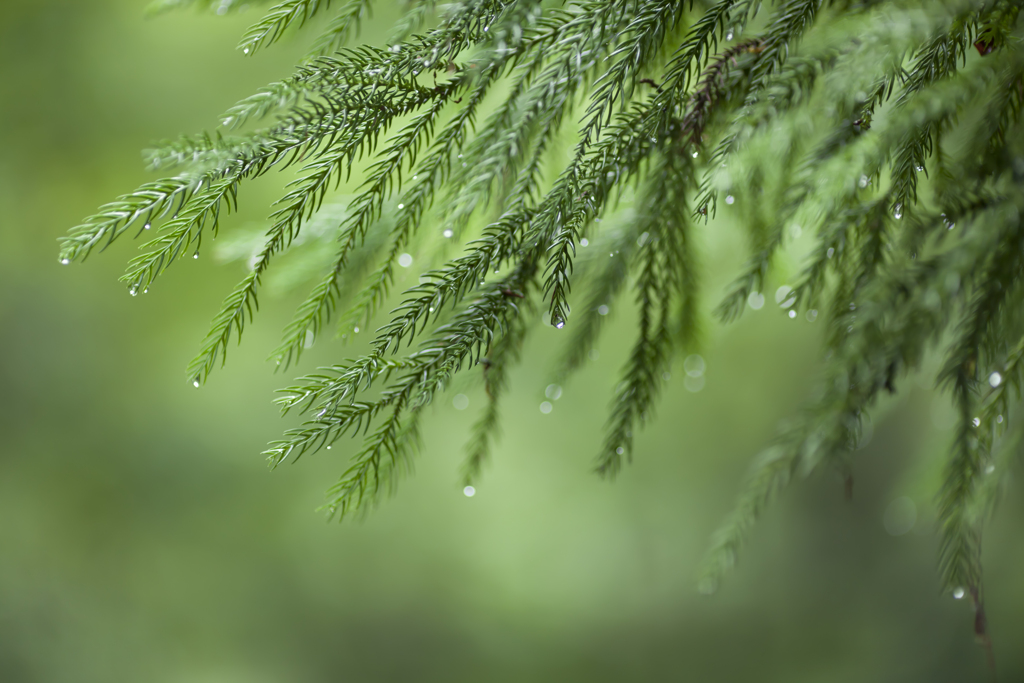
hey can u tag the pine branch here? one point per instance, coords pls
(364, 210)
(299, 204)
(663, 257)
(883, 336)
(502, 355)
(607, 283)
(873, 127)
(960, 546)
(434, 173)
(278, 21)
(343, 26)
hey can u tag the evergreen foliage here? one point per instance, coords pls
(892, 130)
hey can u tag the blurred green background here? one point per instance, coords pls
(142, 537)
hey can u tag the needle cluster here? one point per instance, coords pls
(889, 131)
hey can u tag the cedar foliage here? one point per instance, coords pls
(890, 129)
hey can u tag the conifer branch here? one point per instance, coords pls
(663, 260)
(612, 274)
(278, 20)
(502, 355)
(873, 127)
(343, 26)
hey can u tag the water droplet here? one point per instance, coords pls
(310, 338)
(999, 419)
(781, 293)
(995, 379)
(694, 365)
(620, 450)
(195, 255)
(666, 376)
(328, 448)
(355, 330)
(696, 154)
(546, 407)
(864, 180)
(553, 391)
(830, 253)
(405, 260)
(195, 382)
(976, 422)
(792, 314)
(65, 261)
(642, 240)
(246, 51)
(990, 469)
(900, 516)
(958, 593)
(919, 168)
(812, 315)
(460, 401)
(729, 199)
(897, 211)
(401, 206)
(755, 300)
(133, 291)
(602, 310)
(448, 233)
(469, 492)
(728, 36)
(146, 290)
(693, 384)
(559, 324)
(584, 242)
(147, 226)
